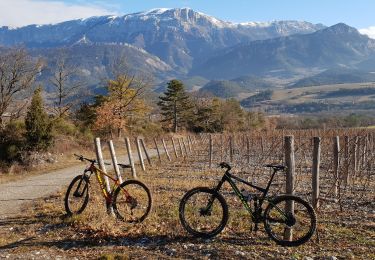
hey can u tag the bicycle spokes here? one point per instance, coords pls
(203, 212)
(289, 226)
(132, 202)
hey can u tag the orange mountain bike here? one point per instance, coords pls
(131, 200)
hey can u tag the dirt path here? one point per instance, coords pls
(14, 194)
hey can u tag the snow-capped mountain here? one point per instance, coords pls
(180, 37)
(338, 46)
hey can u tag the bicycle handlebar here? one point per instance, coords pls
(81, 158)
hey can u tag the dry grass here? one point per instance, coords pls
(45, 228)
(309, 94)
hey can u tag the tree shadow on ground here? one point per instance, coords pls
(91, 239)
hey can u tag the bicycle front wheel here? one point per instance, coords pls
(77, 195)
(132, 201)
(289, 220)
(203, 212)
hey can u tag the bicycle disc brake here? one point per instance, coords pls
(132, 202)
(205, 211)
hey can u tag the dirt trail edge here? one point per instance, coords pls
(14, 194)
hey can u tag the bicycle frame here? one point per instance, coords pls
(108, 196)
(228, 177)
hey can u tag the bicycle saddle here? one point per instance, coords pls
(124, 165)
(276, 167)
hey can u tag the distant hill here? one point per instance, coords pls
(233, 87)
(261, 96)
(93, 61)
(367, 65)
(292, 55)
(252, 83)
(348, 92)
(335, 76)
(221, 88)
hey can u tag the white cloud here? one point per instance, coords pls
(16, 13)
(370, 31)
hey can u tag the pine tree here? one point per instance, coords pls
(38, 125)
(175, 105)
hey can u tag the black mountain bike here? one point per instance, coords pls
(288, 220)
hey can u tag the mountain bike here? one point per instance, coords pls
(130, 200)
(288, 220)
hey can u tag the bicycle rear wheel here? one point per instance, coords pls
(77, 195)
(289, 220)
(203, 212)
(132, 201)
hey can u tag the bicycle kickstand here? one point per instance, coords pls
(256, 227)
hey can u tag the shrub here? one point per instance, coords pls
(38, 125)
(12, 141)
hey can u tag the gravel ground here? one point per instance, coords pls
(16, 193)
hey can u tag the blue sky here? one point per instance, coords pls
(359, 13)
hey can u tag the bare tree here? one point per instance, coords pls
(17, 73)
(66, 82)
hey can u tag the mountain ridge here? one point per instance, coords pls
(335, 46)
(180, 37)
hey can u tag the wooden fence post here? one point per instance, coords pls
(364, 151)
(99, 157)
(248, 149)
(183, 142)
(130, 155)
(210, 151)
(221, 147)
(355, 154)
(145, 150)
(157, 149)
(114, 160)
(174, 148)
(346, 154)
(166, 150)
(315, 173)
(189, 144)
(231, 148)
(139, 151)
(290, 164)
(180, 145)
(336, 163)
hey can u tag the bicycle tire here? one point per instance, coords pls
(139, 202)
(302, 223)
(199, 213)
(77, 195)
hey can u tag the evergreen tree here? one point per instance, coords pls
(175, 105)
(38, 125)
